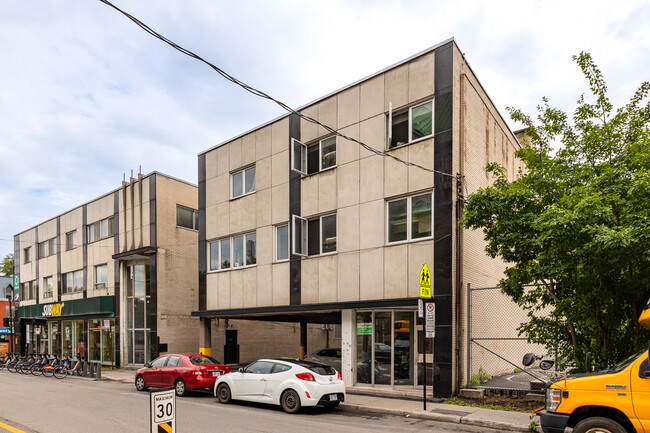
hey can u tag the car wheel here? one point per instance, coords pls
(139, 384)
(331, 405)
(290, 401)
(181, 388)
(598, 424)
(223, 393)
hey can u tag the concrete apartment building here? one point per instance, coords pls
(298, 224)
(113, 279)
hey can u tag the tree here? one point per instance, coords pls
(7, 265)
(574, 226)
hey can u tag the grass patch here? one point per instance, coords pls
(495, 402)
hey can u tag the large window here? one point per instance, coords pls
(71, 240)
(186, 217)
(234, 252)
(314, 236)
(409, 218)
(242, 182)
(100, 229)
(27, 255)
(73, 282)
(48, 290)
(137, 308)
(282, 242)
(314, 157)
(101, 276)
(48, 248)
(411, 124)
(29, 290)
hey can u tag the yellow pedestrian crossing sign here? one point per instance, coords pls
(425, 282)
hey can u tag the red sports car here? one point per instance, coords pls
(183, 371)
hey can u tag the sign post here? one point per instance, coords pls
(163, 411)
(424, 279)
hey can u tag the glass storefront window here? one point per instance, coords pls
(403, 345)
(108, 341)
(137, 306)
(94, 340)
(364, 348)
(55, 338)
(79, 338)
(67, 331)
(383, 359)
(42, 340)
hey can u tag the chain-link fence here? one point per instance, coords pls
(495, 348)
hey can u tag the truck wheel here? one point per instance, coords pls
(598, 424)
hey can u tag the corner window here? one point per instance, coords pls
(48, 290)
(101, 276)
(409, 125)
(409, 218)
(282, 242)
(242, 182)
(71, 240)
(186, 217)
(314, 236)
(234, 252)
(315, 157)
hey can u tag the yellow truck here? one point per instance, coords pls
(616, 400)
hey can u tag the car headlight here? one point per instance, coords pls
(553, 399)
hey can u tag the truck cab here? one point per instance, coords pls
(616, 400)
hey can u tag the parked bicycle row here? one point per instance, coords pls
(48, 366)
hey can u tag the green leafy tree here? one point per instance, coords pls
(7, 265)
(574, 226)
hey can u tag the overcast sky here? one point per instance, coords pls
(86, 95)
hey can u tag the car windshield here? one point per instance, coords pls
(626, 362)
(203, 360)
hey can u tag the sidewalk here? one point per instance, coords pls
(361, 401)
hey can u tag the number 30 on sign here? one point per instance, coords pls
(163, 411)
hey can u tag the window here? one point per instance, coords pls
(315, 157)
(315, 235)
(282, 242)
(48, 248)
(47, 287)
(409, 218)
(410, 125)
(28, 255)
(100, 229)
(71, 240)
(73, 282)
(101, 274)
(243, 182)
(186, 217)
(233, 252)
(29, 290)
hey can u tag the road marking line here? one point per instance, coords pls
(10, 428)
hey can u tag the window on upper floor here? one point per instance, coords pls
(409, 218)
(101, 276)
(73, 282)
(314, 236)
(410, 124)
(48, 248)
(242, 182)
(48, 289)
(27, 257)
(282, 242)
(186, 217)
(101, 229)
(71, 240)
(29, 290)
(233, 252)
(314, 157)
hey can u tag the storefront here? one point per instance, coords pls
(70, 328)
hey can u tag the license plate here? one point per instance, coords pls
(334, 397)
(215, 374)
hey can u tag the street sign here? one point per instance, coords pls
(425, 282)
(430, 324)
(16, 282)
(163, 411)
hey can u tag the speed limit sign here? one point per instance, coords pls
(163, 411)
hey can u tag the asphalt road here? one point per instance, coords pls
(47, 405)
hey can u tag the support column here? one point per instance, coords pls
(303, 340)
(205, 336)
(348, 346)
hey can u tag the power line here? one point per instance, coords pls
(264, 95)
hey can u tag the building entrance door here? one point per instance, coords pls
(231, 349)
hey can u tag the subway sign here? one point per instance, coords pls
(53, 309)
(100, 305)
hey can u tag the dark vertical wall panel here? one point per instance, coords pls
(84, 242)
(116, 250)
(203, 264)
(295, 291)
(443, 214)
(152, 314)
(59, 285)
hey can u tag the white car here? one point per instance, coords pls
(290, 383)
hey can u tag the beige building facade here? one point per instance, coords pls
(301, 223)
(114, 279)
